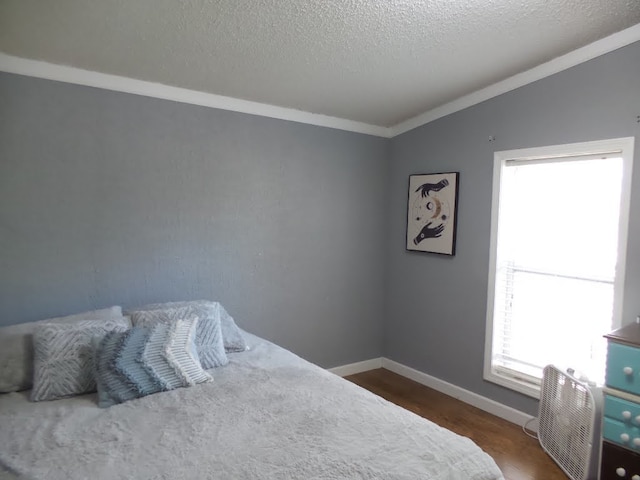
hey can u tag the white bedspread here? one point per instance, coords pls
(267, 415)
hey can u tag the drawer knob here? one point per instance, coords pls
(627, 370)
(621, 472)
(635, 477)
(624, 437)
(638, 419)
(626, 415)
(636, 442)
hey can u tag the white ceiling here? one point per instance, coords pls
(379, 62)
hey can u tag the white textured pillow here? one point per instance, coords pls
(16, 347)
(208, 339)
(63, 356)
(232, 337)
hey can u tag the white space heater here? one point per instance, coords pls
(569, 422)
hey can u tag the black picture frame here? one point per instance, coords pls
(432, 213)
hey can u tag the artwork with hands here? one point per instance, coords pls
(431, 213)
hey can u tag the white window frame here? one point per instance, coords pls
(623, 147)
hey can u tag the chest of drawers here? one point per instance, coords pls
(621, 422)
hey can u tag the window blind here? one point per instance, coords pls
(555, 264)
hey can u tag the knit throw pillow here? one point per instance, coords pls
(147, 360)
(232, 337)
(16, 347)
(63, 357)
(209, 339)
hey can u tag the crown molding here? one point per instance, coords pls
(78, 76)
(558, 64)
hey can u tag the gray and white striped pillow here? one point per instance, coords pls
(63, 356)
(147, 360)
(16, 347)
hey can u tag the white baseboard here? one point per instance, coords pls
(483, 403)
(358, 367)
(491, 406)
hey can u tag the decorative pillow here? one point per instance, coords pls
(16, 348)
(209, 338)
(231, 335)
(63, 357)
(233, 339)
(146, 360)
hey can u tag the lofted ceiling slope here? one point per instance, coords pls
(379, 62)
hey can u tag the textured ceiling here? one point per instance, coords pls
(374, 61)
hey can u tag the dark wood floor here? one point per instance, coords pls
(519, 457)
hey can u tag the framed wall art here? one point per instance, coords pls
(431, 213)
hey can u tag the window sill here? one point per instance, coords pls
(511, 383)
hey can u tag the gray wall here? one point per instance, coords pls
(437, 305)
(108, 198)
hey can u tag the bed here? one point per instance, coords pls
(268, 414)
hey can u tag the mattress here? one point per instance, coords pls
(268, 414)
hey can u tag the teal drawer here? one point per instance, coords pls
(623, 367)
(621, 434)
(622, 410)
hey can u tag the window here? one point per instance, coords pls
(558, 242)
